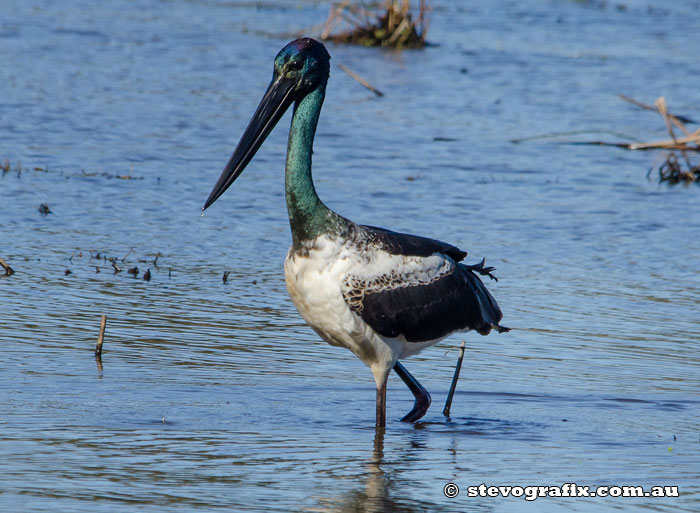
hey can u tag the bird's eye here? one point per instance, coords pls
(295, 65)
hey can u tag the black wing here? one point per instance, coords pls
(454, 302)
(453, 298)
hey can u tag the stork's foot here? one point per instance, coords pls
(420, 408)
(423, 400)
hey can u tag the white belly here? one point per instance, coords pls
(314, 284)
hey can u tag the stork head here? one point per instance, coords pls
(300, 68)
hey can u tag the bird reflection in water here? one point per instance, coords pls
(375, 495)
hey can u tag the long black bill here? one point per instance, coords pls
(277, 99)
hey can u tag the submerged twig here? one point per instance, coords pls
(553, 135)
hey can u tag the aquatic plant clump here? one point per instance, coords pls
(672, 171)
(391, 24)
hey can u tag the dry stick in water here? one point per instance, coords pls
(101, 336)
(361, 80)
(9, 271)
(660, 104)
(680, 143)
(453, 386)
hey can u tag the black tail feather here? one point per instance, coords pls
(490, 312)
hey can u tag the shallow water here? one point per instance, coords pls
(217, 397)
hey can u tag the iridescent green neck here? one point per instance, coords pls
(308, 216)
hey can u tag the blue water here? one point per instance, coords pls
(217, 397)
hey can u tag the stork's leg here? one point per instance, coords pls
(381, 404)
(420, 407)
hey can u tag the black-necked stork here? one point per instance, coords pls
(381, 294)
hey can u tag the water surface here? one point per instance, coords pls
(217, 397)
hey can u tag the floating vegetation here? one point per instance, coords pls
(117, 264)
(100, 261)
(112, 175)
(392, 23)
(6, 167)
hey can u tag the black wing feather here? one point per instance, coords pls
(456, 301)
